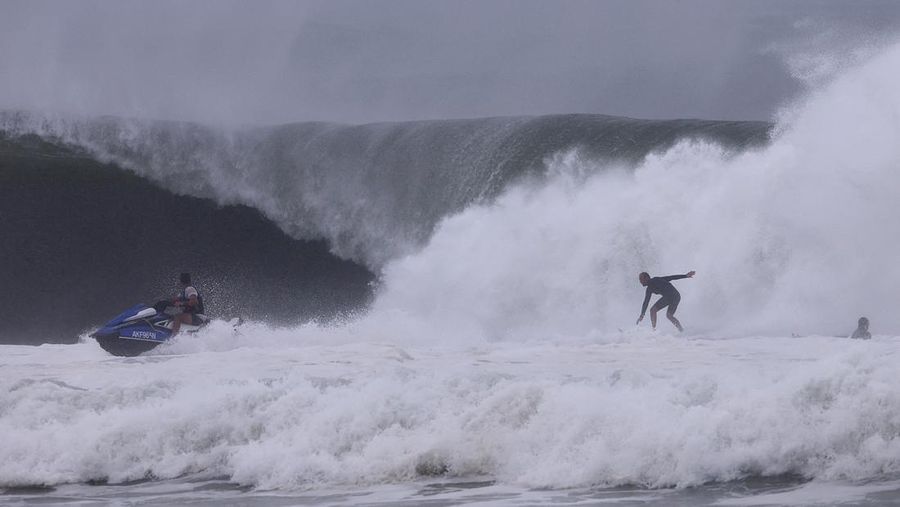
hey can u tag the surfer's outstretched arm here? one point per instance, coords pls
(689, 274)
(644, 306)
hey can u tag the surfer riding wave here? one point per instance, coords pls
(670, 296)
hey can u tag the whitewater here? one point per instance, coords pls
(499, 363)
(302, 418)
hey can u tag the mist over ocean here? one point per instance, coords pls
(441, 312)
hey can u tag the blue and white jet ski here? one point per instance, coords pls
(141, 328)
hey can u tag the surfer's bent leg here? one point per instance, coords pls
(659, 305)
(670, 313)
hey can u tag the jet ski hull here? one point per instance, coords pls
(124, 346)
(137, 330)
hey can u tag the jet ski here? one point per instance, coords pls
(141, 328)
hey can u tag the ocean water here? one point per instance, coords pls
(497, 361)
(635, 417)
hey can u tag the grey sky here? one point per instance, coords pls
(378, 60)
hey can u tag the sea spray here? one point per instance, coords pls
(795, 237)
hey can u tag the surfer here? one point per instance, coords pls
(670, 296)
(191, 303)
(862, 330)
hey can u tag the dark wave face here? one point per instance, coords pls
(374, 192)
(262, 216)
(83, 240)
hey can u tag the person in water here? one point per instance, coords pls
(191, 303)
(862, 330)
(670, 296)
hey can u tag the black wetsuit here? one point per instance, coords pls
(670, 295)
(861, 333)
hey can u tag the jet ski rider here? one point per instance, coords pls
(191, 303)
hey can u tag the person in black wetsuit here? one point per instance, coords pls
(862, 330)
(670, 296)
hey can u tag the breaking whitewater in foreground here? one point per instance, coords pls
(302, 418)
(495, 361)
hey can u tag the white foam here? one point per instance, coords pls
(652, 410)
(798, 237)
